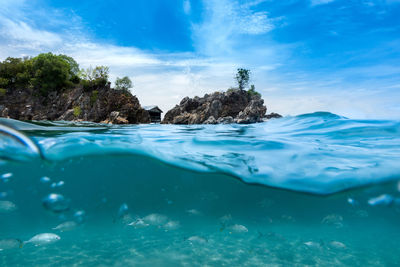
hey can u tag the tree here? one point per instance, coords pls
(91, 78)
(123, 83)
(45, 72)
(50, 73)
(242, 77)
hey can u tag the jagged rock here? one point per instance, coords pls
(68, 115)
(225, 120)
(273, 116)
(210, 120)
(4, 112)
(103, 104)
(220, 107)
(252, 113)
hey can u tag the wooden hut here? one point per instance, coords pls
(155, 113)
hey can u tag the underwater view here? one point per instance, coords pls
(309, 190)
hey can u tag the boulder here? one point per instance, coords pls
(273, 116)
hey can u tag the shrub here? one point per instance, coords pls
(123, 83)
(2, 92)
(231, 89)
(77, 111)
(252, 91)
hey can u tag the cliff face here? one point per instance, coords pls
(233, 106)
(103, 105)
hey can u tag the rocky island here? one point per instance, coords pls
(233, 106)
(53, 87)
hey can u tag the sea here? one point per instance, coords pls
(316, 189)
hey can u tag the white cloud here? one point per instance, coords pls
(224, 24)
(20, 34)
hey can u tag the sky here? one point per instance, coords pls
(340, 56)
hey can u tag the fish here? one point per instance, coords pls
(66, 226)
(139, 223)
(7, 206)
(337, 244)
(10, 243)
(155, 219)
(333, 219)
(312, 244)
(238, 228)
(171, 225)
(42, 239)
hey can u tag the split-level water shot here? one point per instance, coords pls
(199, 133)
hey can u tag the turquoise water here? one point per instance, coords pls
(311, 190)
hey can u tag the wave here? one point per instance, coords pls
(318, 153)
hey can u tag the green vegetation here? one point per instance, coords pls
(123, 83)
(94, 78)
(2, 92)
(49, 72)
(77, 111)
(252, 91)
(242, 78)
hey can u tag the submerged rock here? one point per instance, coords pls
(273, 115)
(235, 105)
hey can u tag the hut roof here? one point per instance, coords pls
(153, 108)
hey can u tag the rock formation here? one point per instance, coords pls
(235, 105)
(103, 105)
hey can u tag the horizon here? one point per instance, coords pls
(305, 56)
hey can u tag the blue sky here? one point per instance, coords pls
(305, 55)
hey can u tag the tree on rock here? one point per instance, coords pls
(94, 78)
(123, 83)
(242, 77)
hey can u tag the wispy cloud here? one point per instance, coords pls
(20, 34)
(224, 23)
